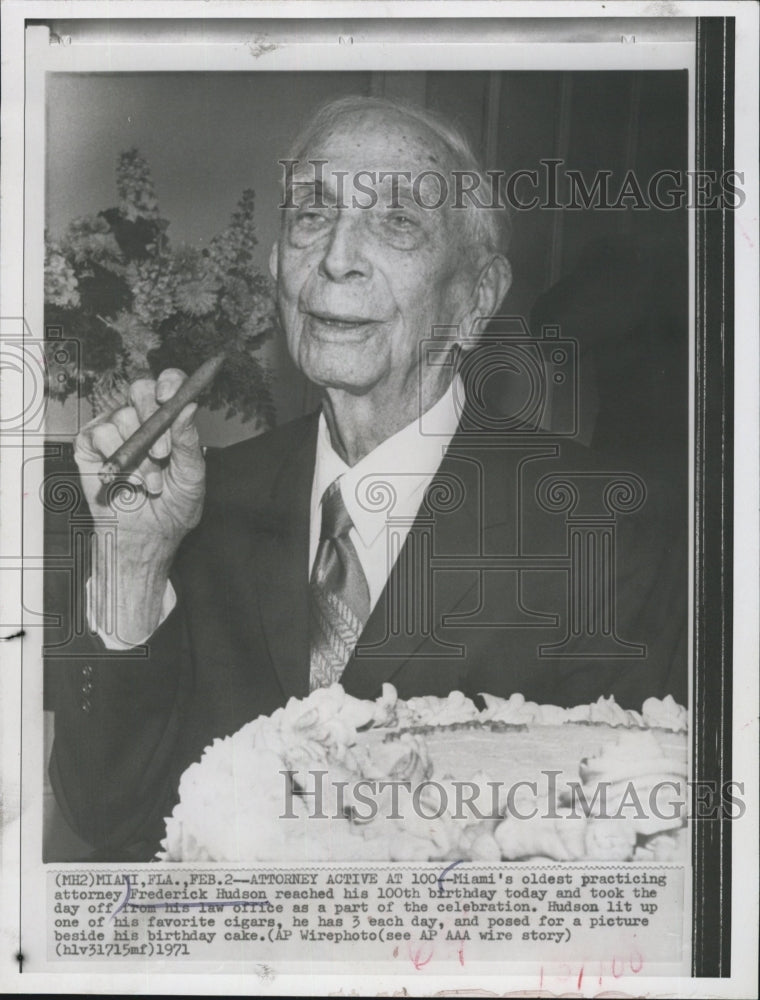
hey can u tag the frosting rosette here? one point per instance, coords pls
(515, 710)
(665, 713)
(259, 795)
(427, 710)
(637, 795)
(335, 778)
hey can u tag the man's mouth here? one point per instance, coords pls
(340, 321)
(339, 328)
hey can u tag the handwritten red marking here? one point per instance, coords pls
(636, 962)
(617, 967)
(417, 960)
(461, 954)
(395, 952)
(580, 977)
(541, 979)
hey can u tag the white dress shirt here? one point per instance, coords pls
(382, 491)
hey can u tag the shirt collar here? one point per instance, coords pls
(387, 482)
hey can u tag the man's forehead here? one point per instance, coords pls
(377, 140)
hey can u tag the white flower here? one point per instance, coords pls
(61, 287)
(137, 339)
(196, 297)
(135, 187)
(151, 287)
(89, 240)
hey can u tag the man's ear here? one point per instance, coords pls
(274, 260)
(488, 292)
(492, 286)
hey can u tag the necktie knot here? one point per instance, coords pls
(336, 521)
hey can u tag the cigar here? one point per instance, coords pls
(133, 451)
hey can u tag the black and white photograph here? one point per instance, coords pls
(374, 521)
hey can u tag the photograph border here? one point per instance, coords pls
(712, 713)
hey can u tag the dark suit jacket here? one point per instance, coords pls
(492, 605)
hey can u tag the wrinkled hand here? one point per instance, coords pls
(171, 479)
(154, 506)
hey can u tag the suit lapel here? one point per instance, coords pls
(284, 574)
(406, 621)
(453, 520)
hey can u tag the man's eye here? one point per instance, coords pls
(402, 222)
(310, 218)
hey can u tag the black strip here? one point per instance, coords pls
(711, 930)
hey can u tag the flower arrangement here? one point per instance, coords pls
(136, 304)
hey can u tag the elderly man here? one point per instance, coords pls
(393, 536)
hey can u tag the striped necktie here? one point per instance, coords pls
(339, 594)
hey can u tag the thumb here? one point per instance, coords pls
(186, 448)
(183, 430)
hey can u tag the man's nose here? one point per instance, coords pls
(344, 258)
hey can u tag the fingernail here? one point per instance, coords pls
(160, 448)
(164, 391)
(185, 416)
(154, 483)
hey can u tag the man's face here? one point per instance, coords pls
(360, 287)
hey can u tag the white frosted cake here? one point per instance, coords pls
(333, 778)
